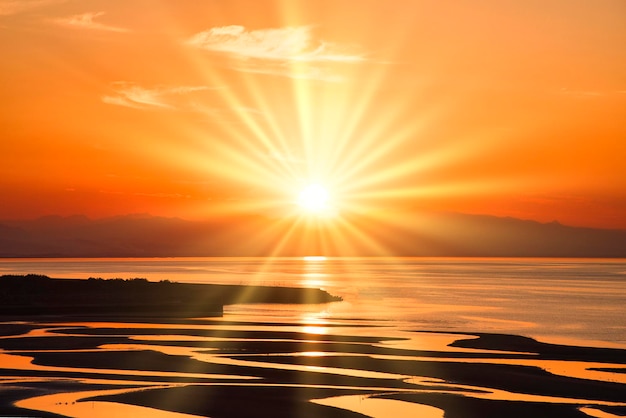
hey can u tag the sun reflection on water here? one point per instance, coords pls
(313, 323)
(313, 354)
(314, 272)
(314, 329)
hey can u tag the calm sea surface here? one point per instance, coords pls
(556, 300)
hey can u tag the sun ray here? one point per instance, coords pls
(272, 145)
(310, 130)
(369, 244)
(286, 237)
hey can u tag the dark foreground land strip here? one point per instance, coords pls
(36, 295)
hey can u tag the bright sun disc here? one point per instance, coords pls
(313, 198)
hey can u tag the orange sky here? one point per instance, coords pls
(199, 108)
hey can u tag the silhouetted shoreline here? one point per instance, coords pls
(35, 295)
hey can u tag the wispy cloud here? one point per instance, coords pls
(160, 97)
(87, 21)
(282, 44)
(277, 51)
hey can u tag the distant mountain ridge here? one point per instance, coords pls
(119, 236)
(449, 234)
(482, 235)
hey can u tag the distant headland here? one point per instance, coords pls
(34, 294)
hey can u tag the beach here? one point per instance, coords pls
(271, 360)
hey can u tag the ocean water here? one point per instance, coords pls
(387, 350)
(556, 300)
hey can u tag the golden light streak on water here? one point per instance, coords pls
(593, 412)
(314, 329)
(70, 405)
(16, 361)
(381, 408)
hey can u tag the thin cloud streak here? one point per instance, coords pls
(137, 97)
(87, 21)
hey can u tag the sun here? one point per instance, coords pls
(314, 198)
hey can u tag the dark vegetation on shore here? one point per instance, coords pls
(41, 295)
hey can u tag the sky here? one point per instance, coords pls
(201, 109)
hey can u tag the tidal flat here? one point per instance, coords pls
(221, 367)
(410, 337)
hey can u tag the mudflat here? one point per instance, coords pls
(222, 368)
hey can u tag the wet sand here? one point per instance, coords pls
(239, 368)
